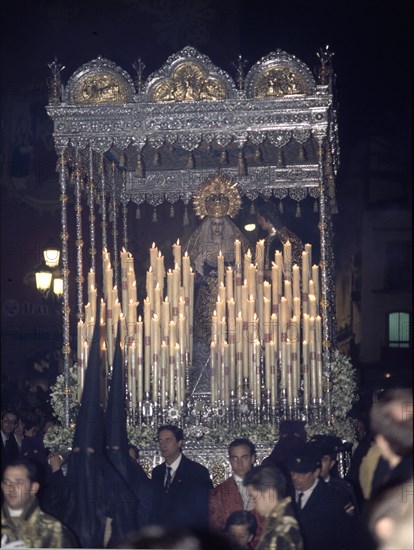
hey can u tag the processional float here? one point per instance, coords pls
(122, 140)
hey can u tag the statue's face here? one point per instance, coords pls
(217, 227)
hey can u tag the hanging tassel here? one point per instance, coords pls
(190, 161)
(186, 220)
(138, 213)
(258, 157)
(122, 160)
(157, 159)
(172, 213)
(298, 212)
(252, 209)
(315, 207)
(241, 164)
(278, 156)
(281, 209)
(301, 153)
(224, 158)
(139, 169)
(154, 215)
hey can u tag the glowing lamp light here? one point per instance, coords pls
(43, 281)
(250, 227)
(58, 286)
(51, 256)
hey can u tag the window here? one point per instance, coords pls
(398, 266)
(399, 329)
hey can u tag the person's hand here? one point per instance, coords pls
(12, 544)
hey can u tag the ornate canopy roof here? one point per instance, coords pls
(167, 133)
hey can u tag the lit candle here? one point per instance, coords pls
(315, 278)
(260, 257)
(165, 320)
(226, 371)
(239, 354)
(173, 357)
(153, 258)
(164, 378)
(229, 283)
(287, 260)
(132, 374)
(257, 380)
(273, 374)
(296, 281)
(318, 350)
(305, 282)
(176, 280)
(305, 370)
(237, 254)
(289, 372)
(308, 250)
(213, 370)
(177, 254)
(312, 358)
(160, 273)
(220, 269)
(312, 305)
(155, 345)
(157, 301)
(140, 359)
(147, 345)
(276, 293)
(150, 287)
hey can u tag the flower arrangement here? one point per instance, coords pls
(59, 436)
(144, 436)
(343, 396)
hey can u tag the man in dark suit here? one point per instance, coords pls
(324, 515)
(181, 486)
(9, 446)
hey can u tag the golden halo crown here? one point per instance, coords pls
(217, 196)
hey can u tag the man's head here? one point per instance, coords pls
(268, 216)
(170, 441)
(9, 421)
(20, 483)
(328, 446)
(241, 527)
(266, 485)
(133, 452)
(304, 465)
(242, 455)
(392, 422)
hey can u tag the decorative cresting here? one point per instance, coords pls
(100, 81)
(277, 75)
(217, 196)
(189, 76)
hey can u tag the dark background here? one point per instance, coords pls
(372, 61)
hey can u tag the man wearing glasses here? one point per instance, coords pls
(9, 446)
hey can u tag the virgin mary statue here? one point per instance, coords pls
(216, 201)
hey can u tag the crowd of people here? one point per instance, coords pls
(294, 499)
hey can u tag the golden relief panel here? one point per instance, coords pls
(188, 83)
(101, 88)
(277, 82)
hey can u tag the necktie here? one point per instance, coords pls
(168, 480)
(300, 495)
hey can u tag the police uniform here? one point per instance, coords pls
(331, 445)
(325, 519)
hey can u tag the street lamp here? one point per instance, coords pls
(49, 279)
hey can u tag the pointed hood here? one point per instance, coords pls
(88, 431)
(116, 438)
